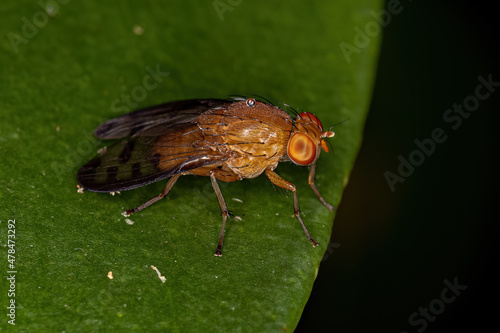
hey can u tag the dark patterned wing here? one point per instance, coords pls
(163, 140)
(157, 120)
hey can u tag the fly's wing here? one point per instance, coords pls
(164, 140)
(142, 160)
(157, 120)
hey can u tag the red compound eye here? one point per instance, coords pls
(301, 149)
(311, 117)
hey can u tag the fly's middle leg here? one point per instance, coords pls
(224, 211)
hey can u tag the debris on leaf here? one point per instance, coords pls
(161, 277)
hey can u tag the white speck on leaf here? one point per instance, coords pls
(161, 277)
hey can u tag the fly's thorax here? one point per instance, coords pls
(254, 135)
(253, 129)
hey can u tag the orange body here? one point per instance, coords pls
(247, 140)
(227, 140)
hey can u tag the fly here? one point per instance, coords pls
(226, 140)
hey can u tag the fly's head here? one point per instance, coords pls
(307, 139)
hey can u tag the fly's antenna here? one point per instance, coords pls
(343, 121)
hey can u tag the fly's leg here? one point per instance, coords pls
(163, 194)
(312, 172)
(285, 184)
(224, 211)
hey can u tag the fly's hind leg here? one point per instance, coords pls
(163, 194)
(280, 182)
(224, 211)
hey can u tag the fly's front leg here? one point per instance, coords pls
(285, 184)
(312, 172)
(163, 194)
(224, 211)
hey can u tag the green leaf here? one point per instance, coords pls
(65, 73)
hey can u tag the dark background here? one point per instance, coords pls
(396, 249)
